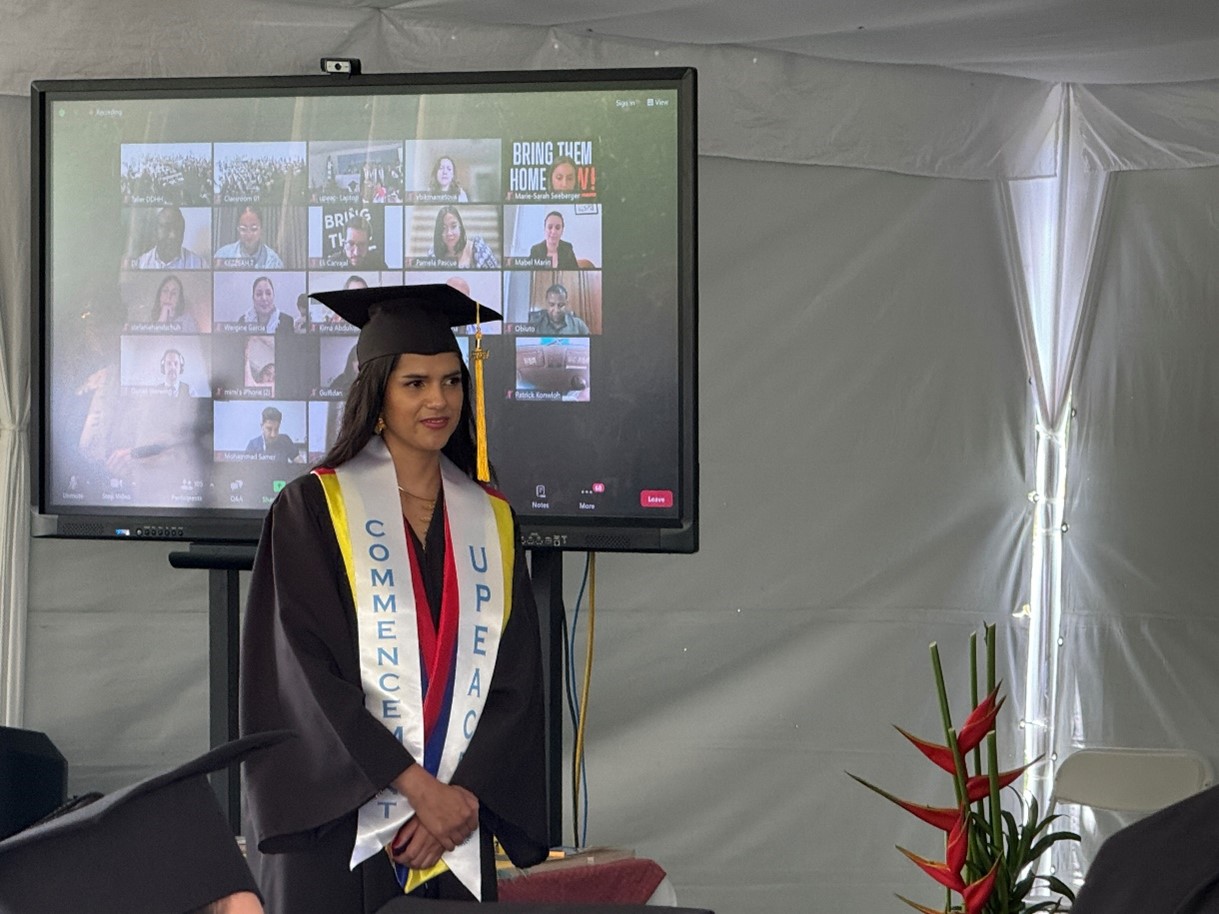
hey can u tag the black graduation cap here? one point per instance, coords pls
(397, 319)
(161, 846)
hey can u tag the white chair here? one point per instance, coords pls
(1130, 780)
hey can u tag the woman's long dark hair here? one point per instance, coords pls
(365, 401)
(439, 248)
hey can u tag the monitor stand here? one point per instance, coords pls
(223, 564)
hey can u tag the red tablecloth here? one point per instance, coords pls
(630, 881)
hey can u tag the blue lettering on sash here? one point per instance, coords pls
(385, 629)
(398, 734)
(381, 604)
(373, 522)
(384, 687)
(476, 683)
(482, 594)
(379, 552)
(389, 708)
(384, 656)
(467, 728)
(387, 807)
(383, 578)
(481, 569)
(480, 638)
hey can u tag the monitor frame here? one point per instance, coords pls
(563, 532)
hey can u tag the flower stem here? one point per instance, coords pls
(950, 737)
(973, 697)
(996, 819)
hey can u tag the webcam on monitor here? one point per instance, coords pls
(344, 66)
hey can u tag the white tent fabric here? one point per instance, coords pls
(1139, 633)
(754, 105)
(869, 332)
(1081, 41)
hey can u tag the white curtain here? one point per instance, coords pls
(14, 404)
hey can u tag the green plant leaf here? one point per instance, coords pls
(1048, 905)
(1057, 885)
(1021, 888)
(1049, 840)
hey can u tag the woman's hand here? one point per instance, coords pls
(414, 846)
(448, 812)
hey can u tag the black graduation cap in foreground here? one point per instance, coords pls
(398, 319)
(161, 846)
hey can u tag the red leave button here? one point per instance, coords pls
(656, 498)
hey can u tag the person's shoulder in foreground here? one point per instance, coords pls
(1167, 863)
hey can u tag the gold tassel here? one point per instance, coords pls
(480, 401)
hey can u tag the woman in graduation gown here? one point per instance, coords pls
(390, 622)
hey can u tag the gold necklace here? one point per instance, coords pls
(430, 503)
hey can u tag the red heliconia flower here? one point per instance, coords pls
(942, 817)
(975, 831)
(981, 720)
(976, 894)
(958, 844)
(940, 872)
(978, 786)
(940, 755)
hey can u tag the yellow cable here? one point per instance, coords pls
(577, 754)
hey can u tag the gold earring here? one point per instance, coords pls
(380, 426)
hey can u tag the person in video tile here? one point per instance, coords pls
(555, 319)
(171, 307)
(451, 245)
(248, 250)
(271, 441)
(172, 366)
(357, 246)
(263, 312)
(444, 180)
(553, 247)
(562, 177)
(168, 253)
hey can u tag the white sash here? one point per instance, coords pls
(388, 638)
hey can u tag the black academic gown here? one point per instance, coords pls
(300, 671)
(1167, 863)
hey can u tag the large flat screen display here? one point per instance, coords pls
(186, 375)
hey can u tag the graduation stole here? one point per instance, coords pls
(426, 685)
